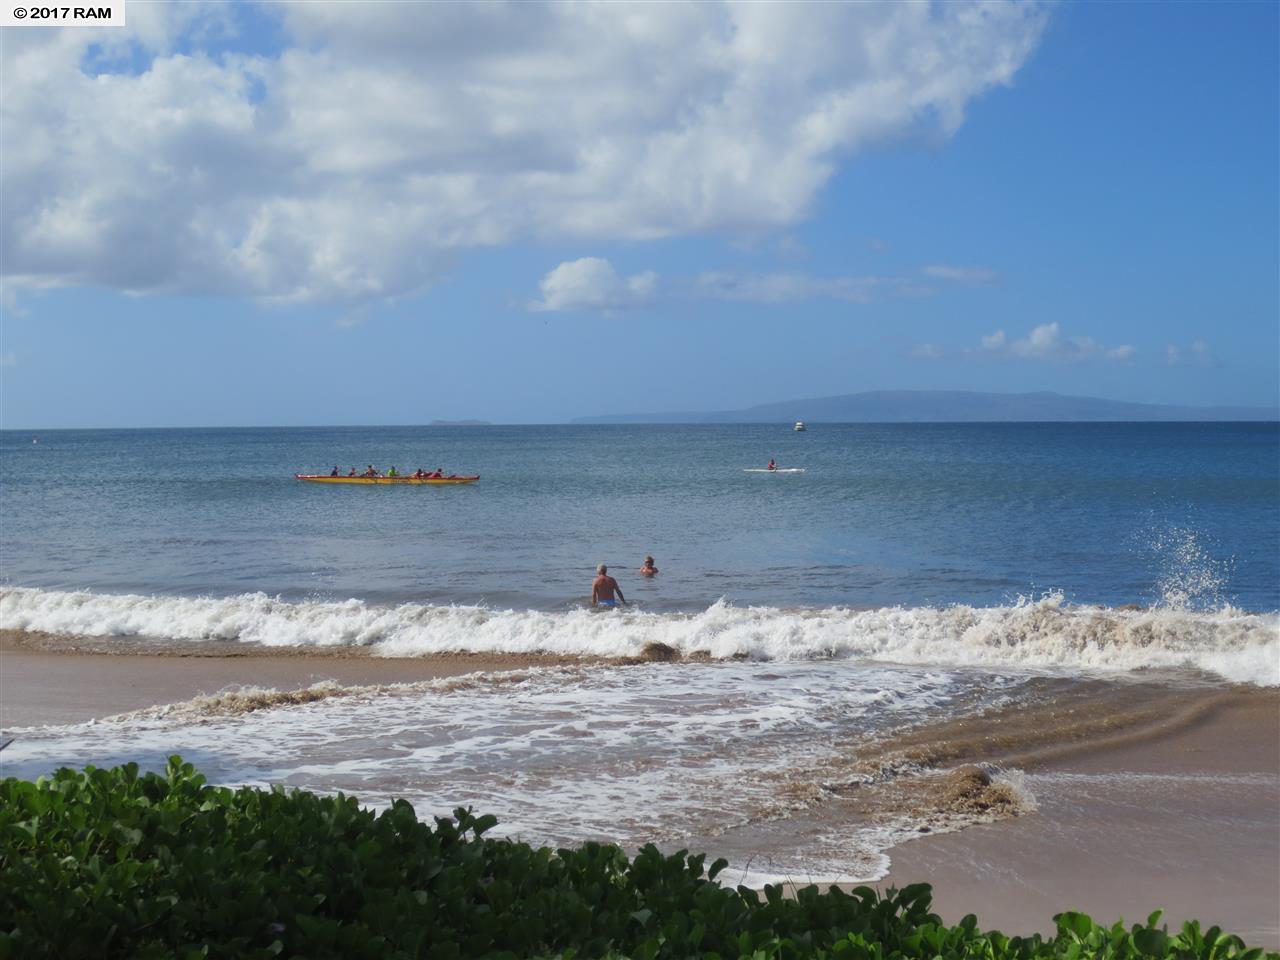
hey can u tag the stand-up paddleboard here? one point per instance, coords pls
(775, 470)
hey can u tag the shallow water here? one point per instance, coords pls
(634, 754)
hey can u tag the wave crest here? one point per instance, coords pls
(1041, 633)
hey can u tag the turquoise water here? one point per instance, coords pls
(913, 515)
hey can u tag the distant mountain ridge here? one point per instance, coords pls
(947, 406)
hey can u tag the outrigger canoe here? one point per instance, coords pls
(325, 478)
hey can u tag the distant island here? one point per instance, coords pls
(460, 423)
(946, 406)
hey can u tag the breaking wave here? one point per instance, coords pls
(1042, 633)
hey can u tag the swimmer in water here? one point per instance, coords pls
(604, 588)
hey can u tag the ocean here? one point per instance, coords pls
(916, 577)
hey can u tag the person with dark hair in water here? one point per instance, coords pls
(603, 589)
(648, 570)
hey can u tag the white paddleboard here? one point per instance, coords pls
(778, 470)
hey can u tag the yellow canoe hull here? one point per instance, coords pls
(412, 481)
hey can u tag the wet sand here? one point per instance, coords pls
(48, 679)
(1186, 820)
(1182, 815)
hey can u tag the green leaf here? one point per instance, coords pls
(1152, 943)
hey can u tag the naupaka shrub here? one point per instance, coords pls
(114, 863)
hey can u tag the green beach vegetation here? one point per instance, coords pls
(115, 863)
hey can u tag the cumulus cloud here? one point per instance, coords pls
(1047, 343)
(591, 283)
(356, 162)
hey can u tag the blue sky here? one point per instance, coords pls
(344, 213)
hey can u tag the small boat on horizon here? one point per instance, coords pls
(411, 481)
(800, 427)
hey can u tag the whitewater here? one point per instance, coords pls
(1037, 634)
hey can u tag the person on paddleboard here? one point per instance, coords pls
(603, 589)
(772, 464)
(648, 570)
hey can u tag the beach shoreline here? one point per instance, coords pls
(1185, 820)
(58, 679)
(1205, 845)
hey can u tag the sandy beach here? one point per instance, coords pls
(1186, 820)
(1183, 816)
(46, 679)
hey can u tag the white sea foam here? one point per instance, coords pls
(684, 754)
(1045, 633)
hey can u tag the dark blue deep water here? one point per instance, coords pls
(912, 515)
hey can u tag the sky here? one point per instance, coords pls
(391, 213)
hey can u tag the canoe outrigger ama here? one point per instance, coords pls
(412, 481)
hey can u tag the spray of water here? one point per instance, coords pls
(1190, 577)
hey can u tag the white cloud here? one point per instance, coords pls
(386, 137)
(994, 342)
(1197, 354)
(1125, 352)
(1046, 343)
(793, 287)
(591, 283)
(972, 276)
(928, 351)
(9, 301)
